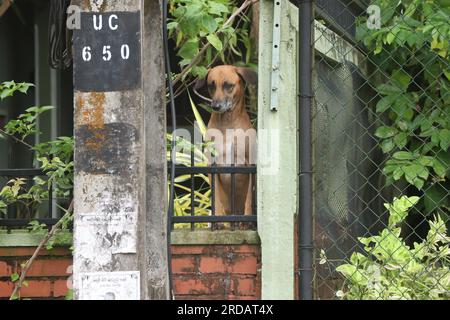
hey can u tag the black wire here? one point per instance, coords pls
(58, 36)
(172, 160)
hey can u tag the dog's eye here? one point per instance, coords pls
(211, 86)
(228, 86)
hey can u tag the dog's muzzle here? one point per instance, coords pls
(221, 106)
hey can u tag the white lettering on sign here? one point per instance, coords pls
(98, 25)
(111, 26)
(107, 53)
(125, 51)
(108, 46)
(97, 21)
(87, 56)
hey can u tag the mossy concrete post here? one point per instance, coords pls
(120, 247)
(277, 153)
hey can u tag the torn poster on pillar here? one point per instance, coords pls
(110, 286)
(114, 233)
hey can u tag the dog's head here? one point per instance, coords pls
(226, 85)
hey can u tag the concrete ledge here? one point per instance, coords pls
(23, 238)
(202, 237)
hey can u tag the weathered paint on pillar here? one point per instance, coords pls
(114, 218)
(277, 190)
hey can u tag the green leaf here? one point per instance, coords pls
(401, 79)
(385, 132)
(215, 42)
(15, 277)
(387, 145)
(189, 50)
(401, 140)
(398, 210)
(217, 8)
(69, 295)
(444, 136)
(198, 117)
(440, 168)
(447, 74)
(385, 103)
(390, 37)
(387, 89)
(209, 23)
(404, 155)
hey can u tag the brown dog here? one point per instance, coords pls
(233, 135)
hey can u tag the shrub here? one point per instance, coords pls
(390, 269)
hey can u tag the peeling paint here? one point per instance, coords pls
(110, 149)
(93, 116)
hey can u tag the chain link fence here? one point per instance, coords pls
(381, 137)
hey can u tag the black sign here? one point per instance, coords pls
(107, 52)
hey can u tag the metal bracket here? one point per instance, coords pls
(276, 41)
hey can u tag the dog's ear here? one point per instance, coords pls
(200, 85)
(201, 82)
(248, 75)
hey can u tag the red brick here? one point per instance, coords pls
(60, 288)
(231, 297)
(244, 265)
(190, 287)
(37, 289)
(255, 249)
(186, 250)
(202, 285)
(6, 288)
(5, 269)
(245, 287)
(183, 264)
(50, 267)
(212, 265)
(201, 297)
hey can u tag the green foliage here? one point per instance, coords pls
(196, 23)
(69, 295)
(8, 88)
(202, 194)
(25, 124)
(411, 52)
(390, 269)
(53, 157)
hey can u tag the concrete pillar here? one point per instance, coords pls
(120, 166)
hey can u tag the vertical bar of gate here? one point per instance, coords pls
(305, 225)
(192, 182)
(213, 198)
(233, 197)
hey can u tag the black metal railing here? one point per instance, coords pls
(234, 218)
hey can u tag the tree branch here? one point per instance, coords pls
(230, 20)
(16, 139)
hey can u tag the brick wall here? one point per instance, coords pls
(217, 272)
(206, 265)
(47, 278)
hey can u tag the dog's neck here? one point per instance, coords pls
(232, 118)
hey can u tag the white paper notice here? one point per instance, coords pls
(115, 232)
(110, 286)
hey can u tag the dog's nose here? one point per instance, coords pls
(216, 105)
